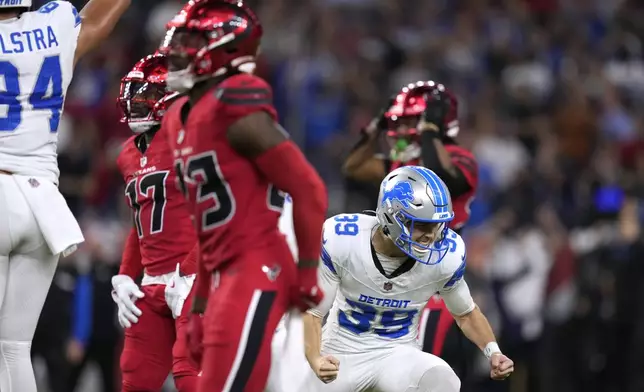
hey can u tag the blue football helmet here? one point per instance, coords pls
(411, 195)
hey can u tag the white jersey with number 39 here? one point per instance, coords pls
(371, 311)
(36, 65)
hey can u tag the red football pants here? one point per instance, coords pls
(157, 345)
(249, 297)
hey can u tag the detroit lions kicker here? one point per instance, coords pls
(38, 50)
(384, 269)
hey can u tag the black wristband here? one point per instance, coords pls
(430, 135)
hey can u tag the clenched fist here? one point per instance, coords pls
(500, 366)
(326, 368)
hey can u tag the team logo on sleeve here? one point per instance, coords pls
(401, 192)
(181, 136)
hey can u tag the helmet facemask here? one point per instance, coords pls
(406, 237)
(139, 101)
(403, 138)
(184, 48)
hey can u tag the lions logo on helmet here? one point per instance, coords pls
(400, 191)
(411, 196)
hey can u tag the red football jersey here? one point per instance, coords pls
(162, 221)
(235, 208)
(465, 161)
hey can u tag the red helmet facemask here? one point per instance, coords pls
(208, 38)
(143, 96)
(410, 103)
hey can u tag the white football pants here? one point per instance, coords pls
(27, 268)
(288, 364)
(404, 368)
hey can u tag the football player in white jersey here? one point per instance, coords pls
(383, 269)
(38, 50)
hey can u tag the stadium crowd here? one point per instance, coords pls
(549, 92)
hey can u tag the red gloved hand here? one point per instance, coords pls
(195, 338)
(307, 294)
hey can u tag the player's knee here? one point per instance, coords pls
(16, 372)
(439, 379)
(140, 375)
(14, 351)
(185, 375)
(186, 382)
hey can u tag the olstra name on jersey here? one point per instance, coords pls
(30, 41)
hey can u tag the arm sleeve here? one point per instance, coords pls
(285, 225)
(131, 261)
(189, 264)
(457, 182)
(202, 281)
(286, 167)
(456, 293)
(329, 281)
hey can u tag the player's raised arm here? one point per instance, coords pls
(97, 20)
(362, 163)
(436, 122)
(259, 138)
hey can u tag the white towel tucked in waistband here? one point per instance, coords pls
(56, 221)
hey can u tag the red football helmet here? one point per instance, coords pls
(144, 97)
(208, 38)
(410, 104)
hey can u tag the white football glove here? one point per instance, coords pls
(177, 290)
(125, 294)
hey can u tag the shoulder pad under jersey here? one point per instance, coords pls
(454, 263)
(342, 234)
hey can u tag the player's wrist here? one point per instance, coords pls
(120, 280)
(428, 127)
(313, 359)
(491, 349)
(198, 305)
(308, 264)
